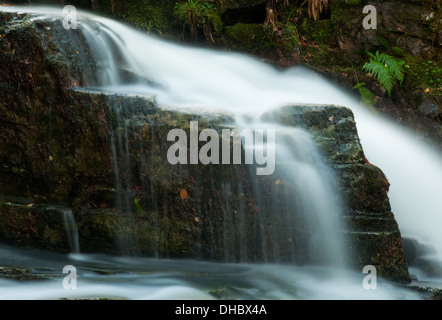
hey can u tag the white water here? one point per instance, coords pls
(162, 279)
(205, 78)
(191, 77)
(188, 78)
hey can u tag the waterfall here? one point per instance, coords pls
(189, 77)
(186, 77)
(71, 230)
(301, 162)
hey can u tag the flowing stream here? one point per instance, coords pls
(71, 230)
(188, 77)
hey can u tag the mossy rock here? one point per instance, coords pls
(237, 4)
(33, 226)
(208, 212)
(152, 16)
(251, 38)
(422, 73)
(332, 127)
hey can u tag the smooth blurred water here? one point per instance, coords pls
(189, 77)
(111, 277)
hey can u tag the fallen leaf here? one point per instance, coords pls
(427, 90)
(197, 219)
(303, 41)
(277, 182)
(51, 158)
(183, 194)
(307, 57)
(30, 205)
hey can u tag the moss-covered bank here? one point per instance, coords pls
(60, 145)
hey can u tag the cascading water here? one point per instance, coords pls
(71, 230)
(299, 163)
(197, 77)
(118, 51)
(187, 77)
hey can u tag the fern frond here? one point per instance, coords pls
(372, 56)
(381, 73)
(394, 65)
(385, 69)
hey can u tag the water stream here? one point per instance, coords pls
(188, 77)
(113, 277)
(71, 230)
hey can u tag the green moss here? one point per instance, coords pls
(229, 4)
(339, 13)
(382, 40)
(78, 3)
(397, 52)
(255, 38)
(350, 2)
(321, 31)
(152, 16)
(422, 73)
(319, 55)
(202, 13)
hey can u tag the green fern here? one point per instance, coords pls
(386, 69)
(199, 14)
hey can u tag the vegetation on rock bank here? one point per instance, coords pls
(327, 36)
(56, 149)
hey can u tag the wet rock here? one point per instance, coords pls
(422, 258)
(33, 226)
(370, 226)
(332, 127)
(66, 145)
(427, 108)
(430, 290)
(404, 24)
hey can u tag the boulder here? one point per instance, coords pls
(104, 155)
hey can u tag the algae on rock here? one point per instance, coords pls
(56, 147)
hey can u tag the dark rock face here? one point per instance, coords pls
(370, 224)
(406, 24)
(422, 258)
(410, 31)
(63, 146)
